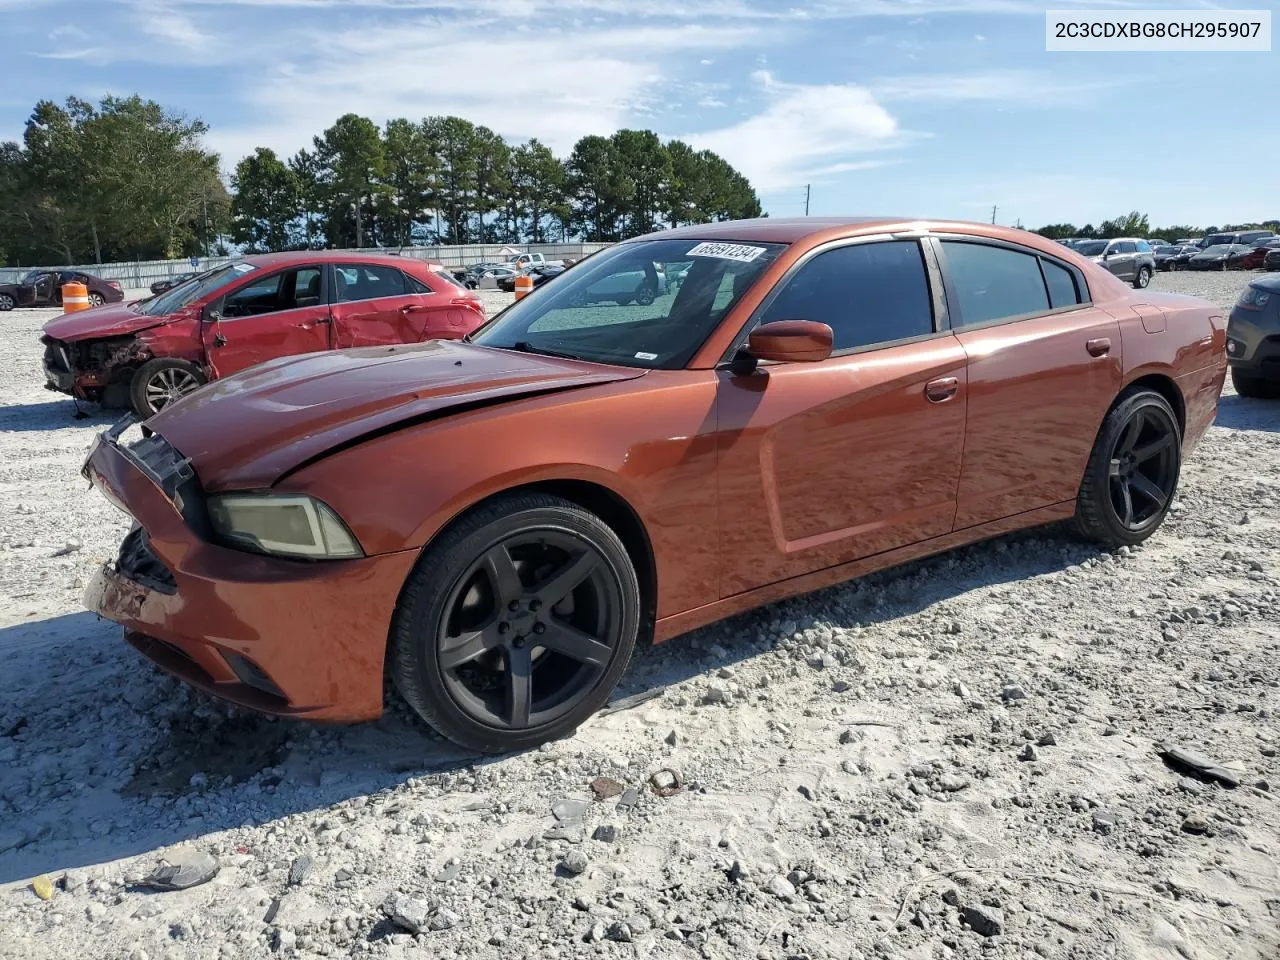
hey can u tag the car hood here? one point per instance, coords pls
(109, 320)
(248, 430)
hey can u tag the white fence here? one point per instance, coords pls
(141, 274)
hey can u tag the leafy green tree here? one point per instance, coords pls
(598, 189)
(537, 189)
(492, 158)
(265, 208)
(411, 177)
(647, 168)
(350, 163)
(453, 143)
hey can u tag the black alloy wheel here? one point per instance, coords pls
(529, 629)
(516, 624)
(1132, 474)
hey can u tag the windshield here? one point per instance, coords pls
(1166, 249)
(1091, 248)
(1218, 249)
(1218, 239)
(175, 298)
(620, 307)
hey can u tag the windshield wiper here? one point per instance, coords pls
(524, 346)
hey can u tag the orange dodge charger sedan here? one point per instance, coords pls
(767, 407)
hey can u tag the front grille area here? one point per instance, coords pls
(84, 354)
(141, 565)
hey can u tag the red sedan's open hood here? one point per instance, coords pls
(247, 430)
(109, 320)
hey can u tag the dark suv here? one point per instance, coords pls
(1253, 339)
(1129, 258)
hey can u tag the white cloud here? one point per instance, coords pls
(164, 22)
(1006, 87)
(557, 85)
(711, 102)
(804, 133)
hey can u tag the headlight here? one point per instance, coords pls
(288, 525)
(1253, 298)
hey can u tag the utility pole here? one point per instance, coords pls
(993, 214)
(806, 198)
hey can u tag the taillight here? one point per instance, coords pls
(114, 284)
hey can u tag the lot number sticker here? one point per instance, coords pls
(726, 251)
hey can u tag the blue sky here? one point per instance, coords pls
(913, 107)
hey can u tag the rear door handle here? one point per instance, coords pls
(1099, 347)
(942, 389)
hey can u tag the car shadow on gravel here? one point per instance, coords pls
(863, 602)
(157, 763)
(1241, 413)
(53, 415)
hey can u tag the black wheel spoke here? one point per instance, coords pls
(519, 691)
(574, 644)
(1155, 447)
(503, 576)
(1126, 505)
(1129, 439)
(566, 579)
(1148, 488)
(455, 651)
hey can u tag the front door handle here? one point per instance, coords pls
(1099, 347)
(942, 389)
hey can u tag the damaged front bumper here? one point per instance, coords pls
(85, 368)
(286, 637)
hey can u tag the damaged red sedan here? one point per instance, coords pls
(146, 354)
(496, 523)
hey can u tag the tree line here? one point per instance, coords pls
(446, 180)
(131, 180)
(1135, 224)
(122, 180)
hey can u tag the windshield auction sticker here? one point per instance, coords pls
(726, 251)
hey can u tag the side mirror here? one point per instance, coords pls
(210, 314)
(795, 341)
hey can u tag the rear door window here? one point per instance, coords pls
(1061, 284)
(367, 282)
(991, 283)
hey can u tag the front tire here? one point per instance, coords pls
(7, 303)
(515, 626)
(1132, 473)
(1250, 385)
(160, 382)
(1142, 279)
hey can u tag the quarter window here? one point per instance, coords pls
(867, 293)
(994, 283)
(364, 282)
(1061, 284)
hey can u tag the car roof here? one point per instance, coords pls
(268, 261)
(821, 229)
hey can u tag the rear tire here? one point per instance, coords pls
(160, 382)
(1248, 385)
(96, 299)
(516, 624)
(1142, 279)
(1132, 474)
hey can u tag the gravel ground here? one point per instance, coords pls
(954, 759)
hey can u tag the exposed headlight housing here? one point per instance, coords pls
(1253, 298)
(285, 525)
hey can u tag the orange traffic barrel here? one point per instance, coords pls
(75, 296)
(524, 286)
